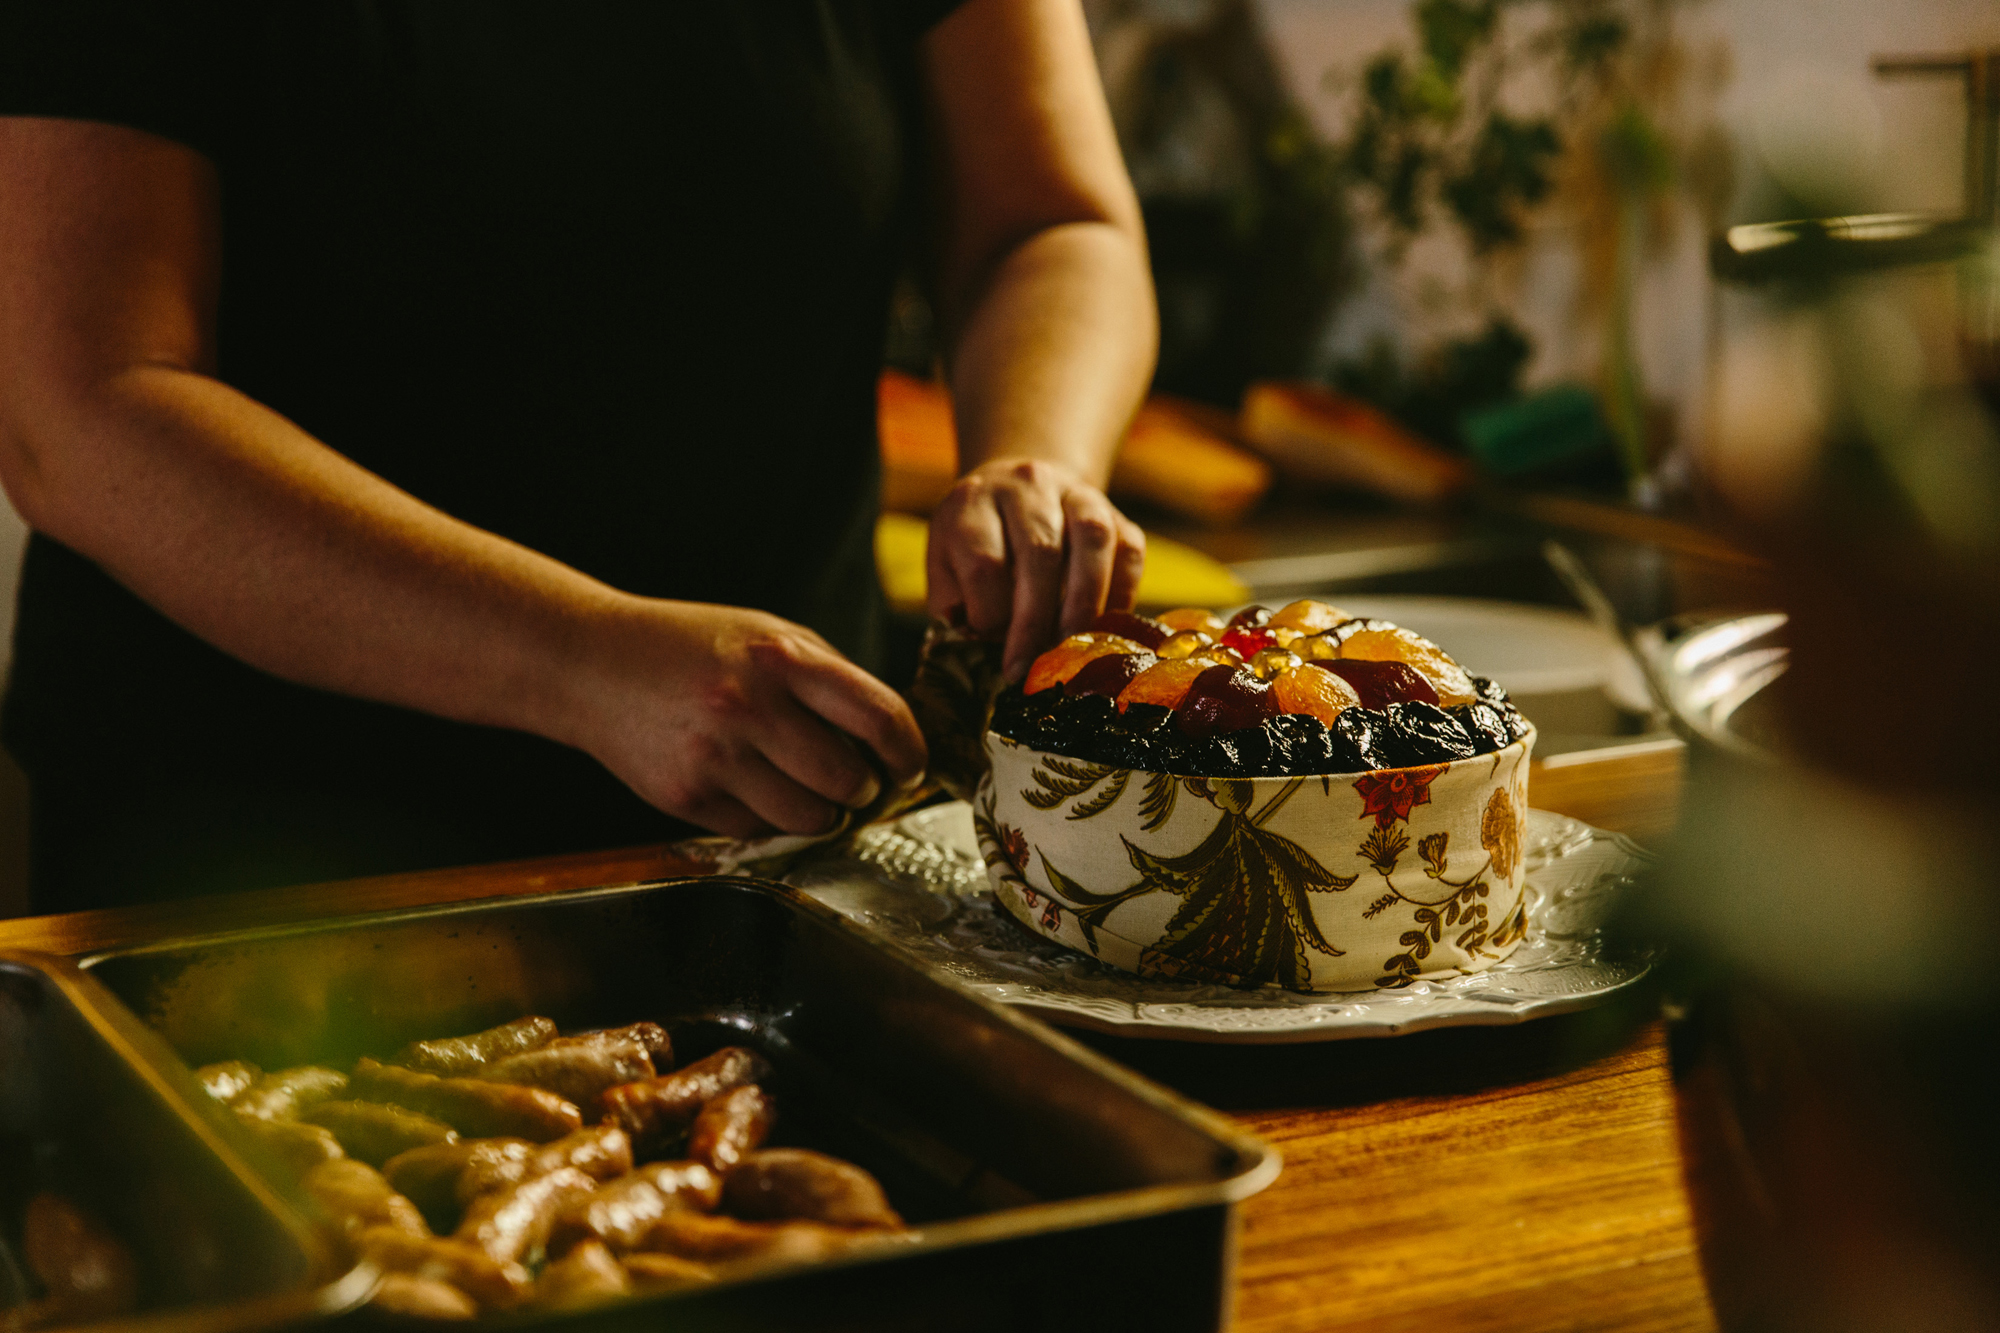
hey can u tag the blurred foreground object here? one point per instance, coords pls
(1835, 912)
(1177, 455)
(1176, 575)
(1317, 436)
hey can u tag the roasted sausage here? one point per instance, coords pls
(665, 1272)
(88, 1272)
(281, 1096)
(422, 1298)
(467, 1055)
(355, 1196)
(731, 1127)
(709, 1239)
(601, 1152)
(621, 1212)
(513, 1223)
(476, 1109)
(579, 1069)
(374, 1131)
(495, 1285)
(586, 1275)
(227, 1079)
(430, 1175)
(797, 1183)
(299, 1147)
(663, 1106)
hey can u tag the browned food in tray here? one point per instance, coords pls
(731, 1126)
(494, 1285)
(375, 1131)
(354, 1196)
(514, 1223)
(587, 1275)
(706, 1238)
(581, 1069)
(86, 1271)
(665, 1272)
(298, 1146)
(422, 1298)
(475, 1108)
(281, 1096)
(621, 1212)
(467, 1055)
(227, 1079)
(545, 1212)
(799, 1183)
(664, 1106)
(430, 1176)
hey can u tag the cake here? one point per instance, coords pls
(1304, 799)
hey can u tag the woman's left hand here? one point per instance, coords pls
(1024, 549)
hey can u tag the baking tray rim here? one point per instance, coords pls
(330, 1288)
(1256, 1163)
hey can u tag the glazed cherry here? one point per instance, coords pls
(1251, 617)
(1381, 683)
(1143, 630)
(1223, 699)
(1108, 675)
(1248, 642)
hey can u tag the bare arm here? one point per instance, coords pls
(1047, 301)
(116, 440)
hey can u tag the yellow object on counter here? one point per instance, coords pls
(1176, 574)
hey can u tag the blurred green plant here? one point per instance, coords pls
(1434, 142)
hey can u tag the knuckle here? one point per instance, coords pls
(1091, 531)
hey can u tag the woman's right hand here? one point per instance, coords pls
(736, 720)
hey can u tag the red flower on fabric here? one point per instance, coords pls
(1053, 916)
(1013, 846)
(1390, 795)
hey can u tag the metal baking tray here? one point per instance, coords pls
(94, 1107)
(1051, 1188)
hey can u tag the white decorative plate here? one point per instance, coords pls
(921, 882)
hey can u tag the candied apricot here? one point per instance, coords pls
(1309, 617)
(1059, 663)
(1308, 690)
(1192, 617)
(1184, 643)
(1454, 687)
(1165, 684)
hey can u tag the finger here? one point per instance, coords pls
(1034, 519)
(1090, 541)
(863, 707)
(1128, 563)
(776, 798)
(974, 543)
(814, 755)
(718, 812)
(942, 595)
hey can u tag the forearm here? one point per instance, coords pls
(242, 528)
(1054, 352)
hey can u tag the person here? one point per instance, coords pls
(446, 426)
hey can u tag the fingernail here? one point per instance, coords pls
(868, 794)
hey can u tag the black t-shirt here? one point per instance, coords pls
(608, 277)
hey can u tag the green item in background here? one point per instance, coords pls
(1558, 425)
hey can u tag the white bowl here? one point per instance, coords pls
(1344, 882)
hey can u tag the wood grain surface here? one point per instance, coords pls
(1483, 1180)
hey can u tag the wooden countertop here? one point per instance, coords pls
(1524, 1180)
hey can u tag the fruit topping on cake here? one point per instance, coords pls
(1305, 689)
